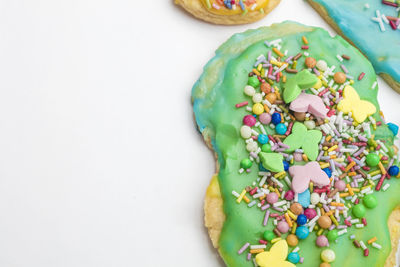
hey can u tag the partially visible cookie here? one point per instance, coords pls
(224, 12)
(307, 173)
(371, 26)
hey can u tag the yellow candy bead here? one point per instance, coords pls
(328, 255)
(318, 84)
(258, 108)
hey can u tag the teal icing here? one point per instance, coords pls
(354, 20)
(214, 95)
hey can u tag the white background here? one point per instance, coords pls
(100, 160)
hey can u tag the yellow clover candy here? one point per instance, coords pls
(275, 257)
(360, 109)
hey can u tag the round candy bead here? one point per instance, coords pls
(339, 77)
(310, 213)
(393, 170)
(257, 98)
(258, 108)
(261, 167)
(281, 128)
(292, 240)
(322, 241)
(314, 198)
(265, 88)
(289, 195)
(324, 221)
(300, 116)
(333, 235)
(269, 235)
(297, 156)
(265, 118)
(393, 128)
(263, 139)
(370, 201)
(266, 148)
(318, 84)
(322, 65)
(340, 185)
(271, 97)
(253, 81)
(245, 132)
(372, 160)
(328, 255)
(293, 257)
(296, 208)
(310, 62)
(286, 165)
(249, 90)
(328, 172)
(249, 120)
(252, 146)
(359, 211)
(302, 232)
(276, 118)
(324, 264)
(283, 227)
(246, 163)
(301, 219)
(272, 198)
(310, 124)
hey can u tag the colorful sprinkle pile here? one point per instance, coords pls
(382, 19)
(319, 162)
(243, 5)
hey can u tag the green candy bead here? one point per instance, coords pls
(332, 235)
(372, 160)
(253, 81)
(370, 201)
(269, 235)
(246, 163)
(359, 211)
(266, 148)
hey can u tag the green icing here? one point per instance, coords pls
(214, 95)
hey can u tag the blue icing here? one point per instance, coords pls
(354, 20)
(304, 198)
(394, 128)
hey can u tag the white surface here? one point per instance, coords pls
(101, 164)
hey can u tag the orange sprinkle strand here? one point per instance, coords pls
(305, 41)
(279, 53)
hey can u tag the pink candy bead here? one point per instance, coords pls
(272, 198)
(283, 227)
(297, 156)
(340, 185)
(265, 118)
(289, 195)
(322, 241)
(310, 213)
(249, 120)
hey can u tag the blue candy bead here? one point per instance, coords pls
(293, 257)
(302, 232)
(328, 172)
(394, 128)
(281, 128)
(394, 170)
(301, 219)
(261, 167)
(286, 165)
(276, 118)
(263, 139)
